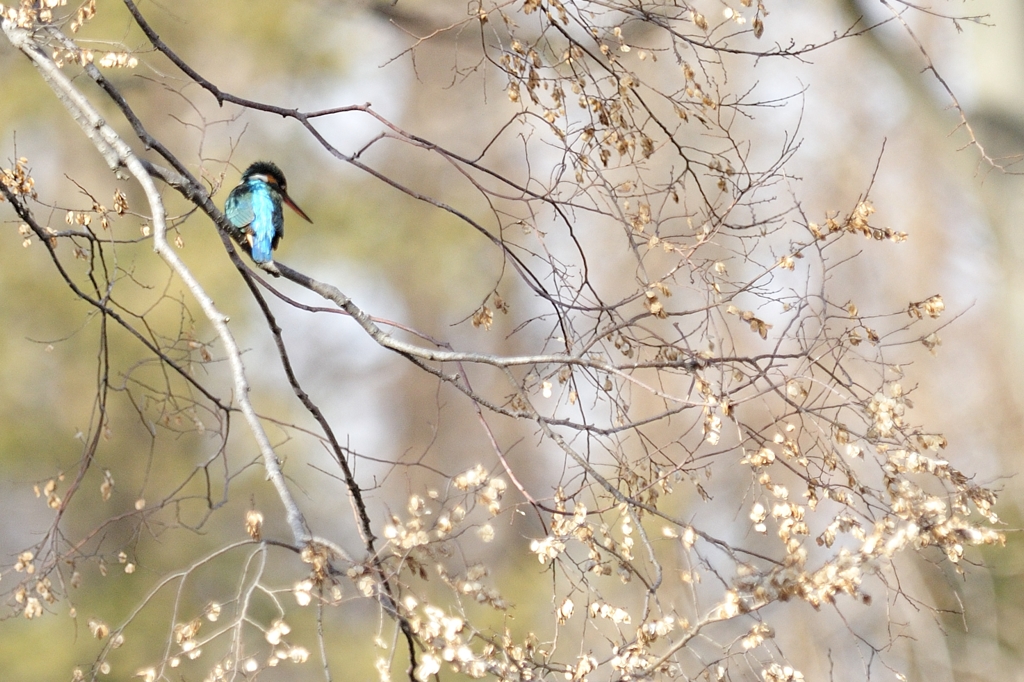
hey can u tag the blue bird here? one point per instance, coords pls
(254, 207)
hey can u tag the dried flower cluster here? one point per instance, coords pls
(697, 433)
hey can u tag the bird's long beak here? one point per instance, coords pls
(294, 207)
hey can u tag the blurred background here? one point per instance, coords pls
(856, 104)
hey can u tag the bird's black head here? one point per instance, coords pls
(270, 172)
(272, 175)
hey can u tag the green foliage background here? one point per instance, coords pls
(422, 268)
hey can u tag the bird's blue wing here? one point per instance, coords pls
(238, 208)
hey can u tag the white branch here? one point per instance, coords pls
(117, 154)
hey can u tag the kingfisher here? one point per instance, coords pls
(254, 207)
